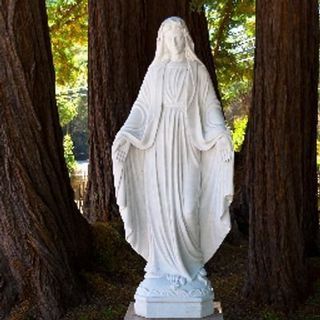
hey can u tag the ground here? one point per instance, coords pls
(116, 271)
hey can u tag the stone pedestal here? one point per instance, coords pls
(217, 315)
(178, 308)
(170, 296)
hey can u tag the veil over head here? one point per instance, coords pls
(162, 54)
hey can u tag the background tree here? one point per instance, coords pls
(122, 39)
(44, 240)
(282, 150)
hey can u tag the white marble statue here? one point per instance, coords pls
(173, 173)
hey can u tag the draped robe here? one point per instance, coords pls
(173, 188)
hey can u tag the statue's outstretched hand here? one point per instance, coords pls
(225, 148)
(121, 146)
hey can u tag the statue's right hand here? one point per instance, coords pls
(121, 146)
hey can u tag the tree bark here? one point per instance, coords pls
(122, 39)
(282, 150)
(44, 240)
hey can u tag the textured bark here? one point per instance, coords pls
(122, 39)
(43, 237)
(239, 208)
(282, 150)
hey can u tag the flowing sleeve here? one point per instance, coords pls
(216, 197)
(128, 175)
(134, 127)
(130, 191)
(216, 174)
(212, 118)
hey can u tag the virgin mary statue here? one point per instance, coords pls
(173, 173)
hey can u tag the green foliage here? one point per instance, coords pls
(73, 114)
(231, 26)
(68, 153)
(239, 131)
(68, 23)
(78, 127)
(67, 106)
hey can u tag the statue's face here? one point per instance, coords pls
(174, 39)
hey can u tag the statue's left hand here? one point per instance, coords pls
(225, 148)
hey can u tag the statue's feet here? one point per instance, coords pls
(174, 296)
(202, 276)
(156, 285)
(202, 272)
(176, 281)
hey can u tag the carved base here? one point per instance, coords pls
(174, 297)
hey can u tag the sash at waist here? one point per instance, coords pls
(180, 106)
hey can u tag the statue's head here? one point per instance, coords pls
(173, 33)
(174, 38)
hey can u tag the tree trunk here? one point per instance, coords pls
(43, 237)
(282, 150)
(122, 40)
(239, 208)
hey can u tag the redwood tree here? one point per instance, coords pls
(122, 39)
(44, 240)
(282, 149)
